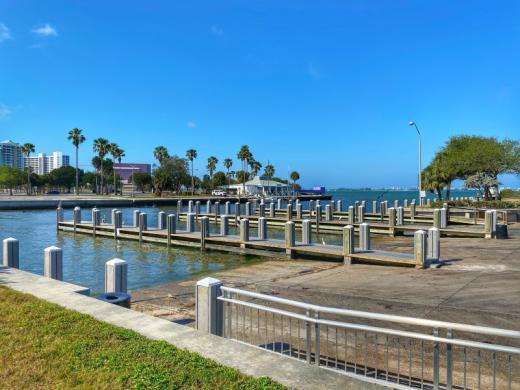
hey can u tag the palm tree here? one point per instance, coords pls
(102, 148)
(228, 163)
(269, 172)
(118, 154)
(244, 155)
(255, 167)
(161, 154)
(96, 163)
(77, 138)
(295, 176)
(212, 165)
(191, 154)
(27, 149)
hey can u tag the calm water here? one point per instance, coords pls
(350, 196)
(149, 264)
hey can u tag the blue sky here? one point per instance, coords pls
(325, 88)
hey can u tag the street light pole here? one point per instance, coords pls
(420, 159)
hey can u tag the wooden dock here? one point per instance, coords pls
(233, 243)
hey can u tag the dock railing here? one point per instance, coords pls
(396, 351)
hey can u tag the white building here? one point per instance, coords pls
(43, 164)
(11, 154)
(261, 185)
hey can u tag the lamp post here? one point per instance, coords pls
(413, 124)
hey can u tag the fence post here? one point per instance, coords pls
(209, 310)
(317, 357)
(449, 361)
(11, 252)
(197, 208)
(190, 206)
(308, 338)
(279, 204)
(290, 237)
(116, 276)
(53, 263)
(95, 220)
(261, 210)
(348, 244)
(412, 211)
(208, 207)
(419, 244)
(172, 227)
(318, 217)
(436, 360)
(311, 206)
(248, 209)
(179, 208)
(307, 232)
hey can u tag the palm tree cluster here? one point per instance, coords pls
(103, 147)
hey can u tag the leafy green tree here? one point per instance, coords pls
(219, 179)
(141, 180)
(172, 175)
(101, 146)
(89, 179)
(191, 154)
(483, 182)
(63, 177)
(77, 138)
(27, 149)
(11, 177)
(244, 155)
(161, 154)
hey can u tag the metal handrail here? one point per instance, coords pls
(375, 329)
(379, 316)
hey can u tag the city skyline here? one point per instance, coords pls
(331, 99)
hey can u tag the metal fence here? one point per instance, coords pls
(401, 352)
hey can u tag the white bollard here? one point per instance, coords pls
(190, 206)
(307, 232)
(279, 204)
(53, 263)
(116, 276)
(117, 222)
(224, 225)
(299, 211)
(351, 214)
(361, 213)
(190, 222)
(136, 218)
(179, 208)
(272, 211)
(328, 212)
(374, 207)
(11, 252)
(248, 209)
(209, 311)
(490, 223)
(208, 207)
(434, 243)
(197, 208)
(77, 215)
(348, 243)
(244, 230)
(171, 223)
(339, 206)
(290, 236)
(419, 244)
(364, 237)
(444, 218)
(227, 208)
(400, 216)
(437, 218)
(59, 215)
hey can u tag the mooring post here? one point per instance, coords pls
(361, 213)
(204, 231)
(118, 222)
(290, 237)
(412, 211)
(400, 216)
(209, 310)
(374, 207)
(328, 212)
(143, 223)
(391, 221)
(289, 211)
(95, 220)
(419, 244)
(190, 222)
(224, 225)
(490, 223)
(136, 217)
(227, 208)
(307, 232)
(116, 276)
(262, 228)
(339, 206)
(351, 215)
(279, 203)
(59, 217)
(11, 252)
(434, 243)
(299, 211)
(208, 206)
(311, 207)
(446, 206)
(190, 206)
(197, 208)
(53, 263)
(261, 210)
(364, 236)
(382, 211)
(405, 203)
(396, 204)
(244, 232)
(272, 211)
(161, 220)
(179, 208)
(77, 217)
(444, 218)
(248, 209)
(348, 244)
(172, 227)
(237, 212)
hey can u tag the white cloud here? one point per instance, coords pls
(218, 31)
(313, 71)
(5, 33)
(4, 111)
(191, 124)
(45, 30)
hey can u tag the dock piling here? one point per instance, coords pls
(161, 220)
(434, 243)
(364, 236)
(172, 227)
(53, 263)
(116, 276)
(419, 244)
(290, 236)
(307, 232)
(348, 244)
(11, 252)
(262, 228)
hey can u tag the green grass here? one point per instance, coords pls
(43, 345)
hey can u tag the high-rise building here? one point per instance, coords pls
(11, 154)
(43, 164)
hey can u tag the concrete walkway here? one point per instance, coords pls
(249, 360)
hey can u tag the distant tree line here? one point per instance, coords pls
(476, 160)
